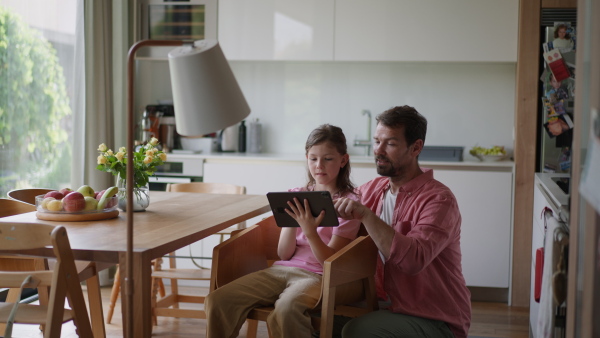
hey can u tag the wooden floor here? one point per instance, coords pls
(488, 320)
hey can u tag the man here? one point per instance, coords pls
(415, 222)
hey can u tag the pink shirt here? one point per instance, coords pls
(423, 275)
(303, 256)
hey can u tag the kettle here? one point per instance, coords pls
(228, 139)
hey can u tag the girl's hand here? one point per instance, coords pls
(302, 215)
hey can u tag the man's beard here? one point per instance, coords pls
(388, 170)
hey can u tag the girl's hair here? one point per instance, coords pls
(559, 27)
(334, 136)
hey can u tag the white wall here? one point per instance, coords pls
(466, 104)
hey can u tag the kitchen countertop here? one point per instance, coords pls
(470, 163)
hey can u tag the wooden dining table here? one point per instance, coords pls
(172, 221)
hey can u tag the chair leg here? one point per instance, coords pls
(95, 303)
(161, 287)
(252, 328)
(114, 295)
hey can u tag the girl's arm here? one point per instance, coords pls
(287, 243)
(309, 225)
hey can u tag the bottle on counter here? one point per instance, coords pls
(242, 137)
(254, 137)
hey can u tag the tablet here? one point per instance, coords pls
(318, 200)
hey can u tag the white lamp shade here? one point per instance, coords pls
(206, 95)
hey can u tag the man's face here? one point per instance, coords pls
(392, 154)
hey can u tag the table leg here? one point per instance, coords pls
(142, 312)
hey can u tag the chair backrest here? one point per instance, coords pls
(27, 195)
(9, 207)
(246, 251)
(207, 188)
(34, 238)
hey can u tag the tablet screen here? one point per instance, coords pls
(318, 200)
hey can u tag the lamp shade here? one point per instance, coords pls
(206, 95)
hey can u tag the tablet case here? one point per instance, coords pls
(318, 200)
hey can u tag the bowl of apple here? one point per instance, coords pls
(77, 205)
(494, 153)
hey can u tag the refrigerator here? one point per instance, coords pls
(557, 96)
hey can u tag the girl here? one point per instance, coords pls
(293, 284)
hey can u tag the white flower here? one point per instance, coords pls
(101, 159)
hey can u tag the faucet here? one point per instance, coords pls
(367, 142)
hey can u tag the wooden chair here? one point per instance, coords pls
(348, 275)
(168, 306)
(27, 195)
(114, 295)
(62, 280)
(87, 271)
(9, 207)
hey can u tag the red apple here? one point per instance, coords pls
(73, 202)
(96, 194)
(65, 191)
(55, 194)
(99, 194)
(112, 202)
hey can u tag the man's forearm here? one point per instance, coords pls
(381, 233)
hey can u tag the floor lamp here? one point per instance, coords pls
(206, 98)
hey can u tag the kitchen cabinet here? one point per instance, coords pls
(276, 29)
(485, 202)
(377, 30)
(407, 30)
(484, 195)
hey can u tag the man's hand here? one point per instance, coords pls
(350, 209)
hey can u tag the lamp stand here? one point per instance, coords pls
(128, 279)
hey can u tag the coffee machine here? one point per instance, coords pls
(162, 119)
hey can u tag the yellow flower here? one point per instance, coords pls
(102, 147)
(120, 155)
(122, 149)
(148, 159)
(153, 141)
(109, 152)
(101, 159)
(151, 152)
(163, 156)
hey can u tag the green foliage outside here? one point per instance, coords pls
(35, 115)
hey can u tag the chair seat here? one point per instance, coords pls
(260, 313)
(185, 274)
(29, 314)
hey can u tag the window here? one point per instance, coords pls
(37, 44)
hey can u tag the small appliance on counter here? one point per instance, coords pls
(228, 139)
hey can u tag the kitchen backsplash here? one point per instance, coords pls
(465, 103)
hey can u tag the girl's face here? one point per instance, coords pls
(324, 164)
(562, 32)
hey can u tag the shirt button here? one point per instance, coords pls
(410, 193)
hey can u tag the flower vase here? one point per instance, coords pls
(141, 198)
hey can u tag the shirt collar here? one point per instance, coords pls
(416, 183)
